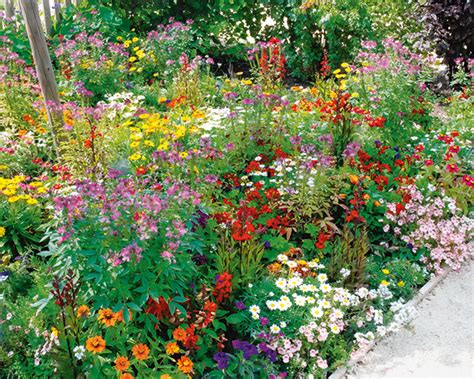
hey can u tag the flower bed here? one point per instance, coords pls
(192, 225)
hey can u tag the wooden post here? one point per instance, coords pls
(47, 16)
(68, 3)
(57, 10)
(44, 69)
(9, 8)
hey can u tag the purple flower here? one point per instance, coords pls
(248, 101)
(222, 360)
(247, 348)
(240, 305)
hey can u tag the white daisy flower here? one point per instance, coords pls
(317, 312)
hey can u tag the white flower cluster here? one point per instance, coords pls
(122, 105)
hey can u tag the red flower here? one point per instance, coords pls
(223, 287)
(252, 166)
(379, 122)
(140, 170)
(322, 239)
(428, 162)
(272, 194)
(452, 167)
(354, 216)
(454, 149)
(158, 308)
(241, 232)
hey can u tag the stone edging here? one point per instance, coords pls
(341, 372)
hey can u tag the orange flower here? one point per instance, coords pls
(172, 348)
(83, 311)
(166, 376)
(354, 179)
(185, 365)
(179, 334)
(119, 315)
(377, 203)
(107, 317)
(126, 375)
(122, 363)
(141, 351)
(274, 268)
(95, 344)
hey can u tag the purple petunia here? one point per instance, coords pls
(222, 360)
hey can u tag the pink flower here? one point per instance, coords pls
(322, 363)
(452, 167)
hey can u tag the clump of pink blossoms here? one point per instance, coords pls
(438, 227)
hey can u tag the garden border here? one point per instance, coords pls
(422, 294)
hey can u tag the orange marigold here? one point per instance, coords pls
(185, 365)
(126, 375)
(83, 311)
(166, 376)
(95, 344)
(172, 348)
(141, 351)
(179, 334)
(122, 363)
(107, 317)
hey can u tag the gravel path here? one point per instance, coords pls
(438, 343)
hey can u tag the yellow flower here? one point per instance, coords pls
(2, 231)
(183, 154)
(163, 144)
(355, 94)
(134, 144)
(32, 201)
(135, 157)
(348, 69)
(55, 331)
(132, 59)
(335, 72)
(162, 100)
(155, 74)
(401, 283)
(385, 271)
(144, 116)
(132, 69)
(119, 38)
(135, 39)
(41, 190)
(136, 137)
(198, 114)
(339, 76)
(344, 64)
(148, 143)
(13, 199)
(384, 283)
(3, 166)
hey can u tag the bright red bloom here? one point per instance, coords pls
(158, 308)
(452, 167)
(454, 149)
(140, 170)
(223, 287)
